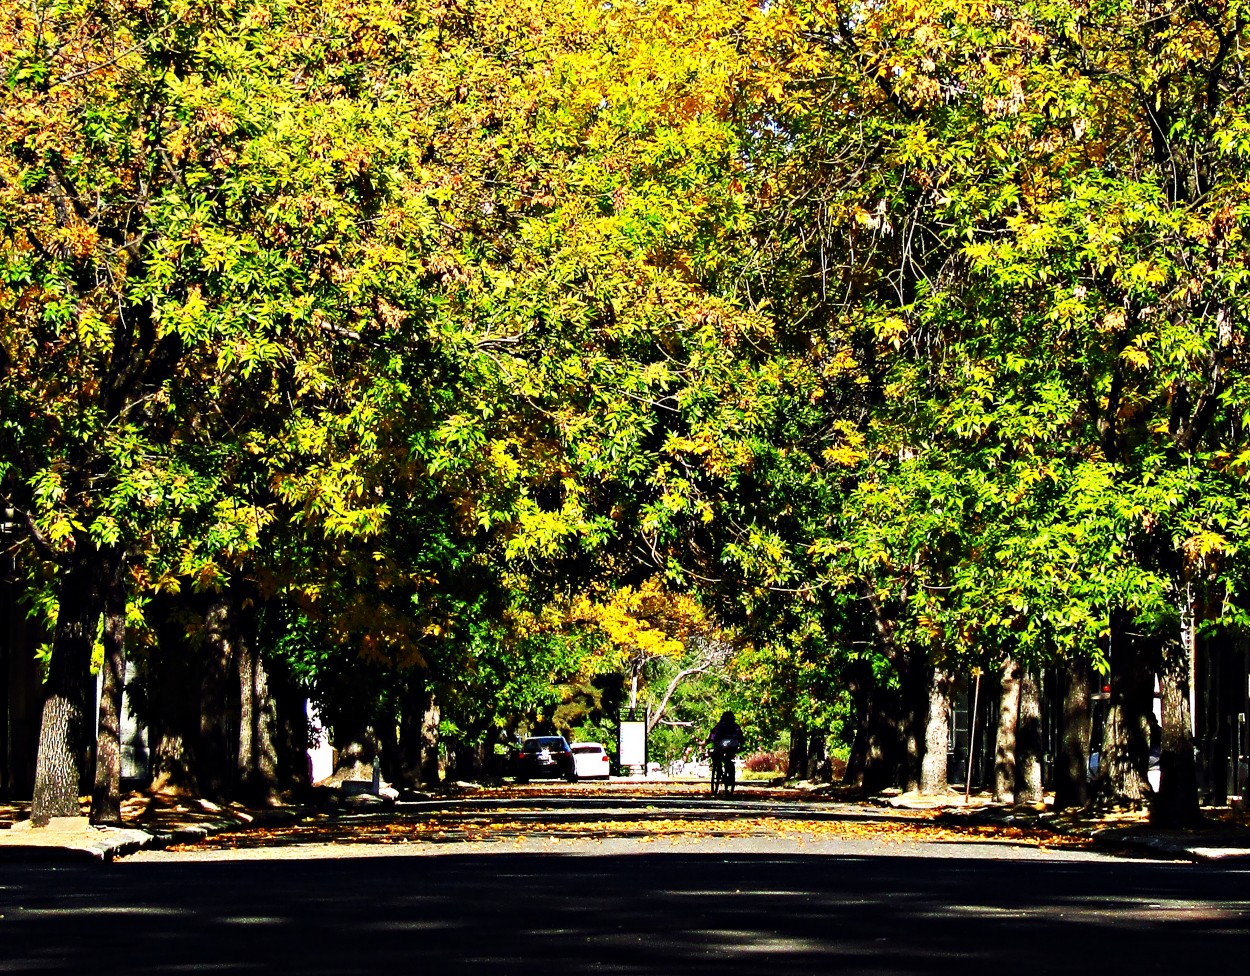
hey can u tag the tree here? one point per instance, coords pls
(188, 243)
(1022, 206)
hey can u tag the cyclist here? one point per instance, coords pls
(725, 740)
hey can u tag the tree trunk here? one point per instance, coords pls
(914, 679)
(895, 716)
(882, 764)
(215, 693)
(1072, 765)
(169, 699)
(408, 749)
(465, 761)
(61, 757)
(798, 761)
(294, 769)
(1029, 743)
(817, 756)
(1005, 744)
(355, 751)
(1125, 747)
(430, 718)
(933, 775)
(876, 753)
(1176, 804)
(387, 728)
(258, 720)
(859, 684)
(106, 801)
(492, 762)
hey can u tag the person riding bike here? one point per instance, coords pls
(725, 740)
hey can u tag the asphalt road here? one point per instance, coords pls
(725, 906)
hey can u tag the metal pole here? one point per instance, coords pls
(1192, 652)
(972, 734)
(1239, 780)
(1233, 792)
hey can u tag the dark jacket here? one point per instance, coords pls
(725, 730)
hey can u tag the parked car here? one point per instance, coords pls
(591, 761)
(545, 757)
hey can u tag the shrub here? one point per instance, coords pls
(777, 761)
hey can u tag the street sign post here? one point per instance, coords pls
(633, 743)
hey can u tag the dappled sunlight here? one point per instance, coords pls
(628, 914)
(94, 911)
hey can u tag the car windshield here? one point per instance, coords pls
(555, 743)
(585, 749)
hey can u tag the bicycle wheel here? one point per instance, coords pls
(730, 776)
(717, 774)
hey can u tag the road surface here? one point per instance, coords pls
(772, 905)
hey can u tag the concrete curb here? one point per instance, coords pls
(1153, 846)
(195, 833)
(96, 844)
(1194, 851)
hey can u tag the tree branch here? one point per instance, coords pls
(42, 543)
(681, 676)
(1195, 426)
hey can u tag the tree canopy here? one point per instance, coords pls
(496, 342)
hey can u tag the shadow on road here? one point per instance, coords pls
(627, 914)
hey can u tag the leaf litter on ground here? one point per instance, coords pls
(445, 829)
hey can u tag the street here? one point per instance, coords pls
(619, 905)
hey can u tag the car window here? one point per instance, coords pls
(598, 750)
(537, 745)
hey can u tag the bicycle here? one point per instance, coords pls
(724, 774)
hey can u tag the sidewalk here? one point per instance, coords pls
(148, 822)
(1224, 835)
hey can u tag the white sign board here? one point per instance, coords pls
(633, 744)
